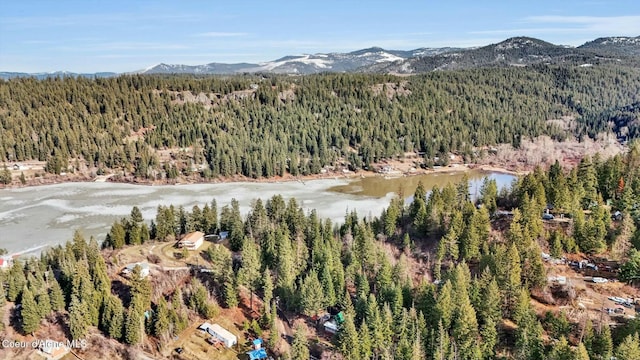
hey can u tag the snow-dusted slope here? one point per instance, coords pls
(518, 51)
(302, 64)
(617, 45)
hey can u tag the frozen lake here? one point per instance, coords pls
(48, 215)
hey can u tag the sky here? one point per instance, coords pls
(130, 35)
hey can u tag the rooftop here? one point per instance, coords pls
(143, 266)
(193, 236)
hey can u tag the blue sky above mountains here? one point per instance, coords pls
(91, 36)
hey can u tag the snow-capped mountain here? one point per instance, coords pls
(516, 51)
(303, 64)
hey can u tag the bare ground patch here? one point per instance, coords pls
(543, 151)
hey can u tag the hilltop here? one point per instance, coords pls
(516, 51)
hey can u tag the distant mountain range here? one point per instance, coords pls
(303, 64)
(43, 75)
(521, 51)
(517, 51)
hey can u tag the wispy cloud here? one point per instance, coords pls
(122, 46)
(219, 34)
(611, 25)
(93, 19)
(587, 26)
(553, 30)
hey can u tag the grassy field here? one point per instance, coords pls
(168, 254)
(194, 342)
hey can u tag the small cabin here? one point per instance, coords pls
(145, 270)
(52, 350)
(258, 353)
(331, 327)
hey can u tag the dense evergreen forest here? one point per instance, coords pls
(475, 302)
(261, 126)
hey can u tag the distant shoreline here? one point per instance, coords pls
(50, 179)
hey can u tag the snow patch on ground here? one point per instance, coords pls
(304, 59)
(386, 57)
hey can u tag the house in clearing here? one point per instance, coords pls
(192, 241)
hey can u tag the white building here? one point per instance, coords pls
(53, 350)
(220, 333)
(192, 241)
(6, 262)
(144, 269)
(331, 327)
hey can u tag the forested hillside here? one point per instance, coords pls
(624, 121)
(479, 298)
(260, 126)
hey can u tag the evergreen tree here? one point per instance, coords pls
(117, 235)
(30, 314)
(417, 353)
(113, 317)
(161, 322)
(581, 352)
(489, 194)
(5, 175)
(465, 332)
(274, 335)
(56, 296)
(588, 336)
(489, 334)
(561, 351)
(311, 296)
(445, 305)
(267, 287)
(140, 289)
(230, 293)
(249, 273)
(78, 324)
(603, 344)
(200, 302)
(513, 271)
(348, 339)
(629, 348)
(44, 304)
(529, 341)
(133, 325)
(328, 287)
(555, 244)
(365, 345)
(442, 343)
(300, 347)
(15, 281)
(490, 306)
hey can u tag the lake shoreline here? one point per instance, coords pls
(50, 179)
(92, 207)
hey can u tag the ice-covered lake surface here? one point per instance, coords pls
(48, 215)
